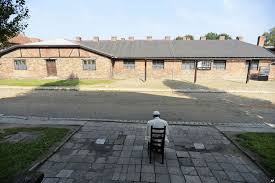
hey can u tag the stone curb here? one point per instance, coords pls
(134, 89)
(189, 123)
(55, 150)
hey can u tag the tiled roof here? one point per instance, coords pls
(178, 49)
(153, 49)
(23, 39)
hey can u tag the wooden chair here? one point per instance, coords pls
(157, 142)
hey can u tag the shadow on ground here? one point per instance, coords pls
(212, 107)
(68, 82)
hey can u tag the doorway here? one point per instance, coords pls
(51, 67)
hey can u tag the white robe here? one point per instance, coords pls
(156, 123)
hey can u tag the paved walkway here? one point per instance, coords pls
(123, 157)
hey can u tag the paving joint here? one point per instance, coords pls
(244, 151)
(50, 154)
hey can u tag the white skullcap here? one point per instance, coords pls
(156, 113)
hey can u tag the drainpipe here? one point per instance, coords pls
(173, 70)
(195, 74)
(248, 71)
(145, 71)
(112, 68)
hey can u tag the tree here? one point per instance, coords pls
(215, 36)
(226, 36)
(270, 37)
(212, 36)
(187, 37)
(13, 14)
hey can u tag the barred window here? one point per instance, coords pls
(187, 65)
(20, 64)
(204, 65)
(89, 64)
(158, 64)
(129, 64)
(219, 64)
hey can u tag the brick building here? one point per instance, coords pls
(143, 59)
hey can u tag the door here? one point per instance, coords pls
(51, 67)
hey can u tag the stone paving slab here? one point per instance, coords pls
(124, 157)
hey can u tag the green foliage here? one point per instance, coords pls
(215, 36)
(212, 36)
(179, 38)
(191, 37)
(12, 19)
(270, 37)
(15, 157)
(226, 36)
(187, 36)
(263, 144)
(36, 82)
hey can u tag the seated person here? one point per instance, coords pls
(156, 123)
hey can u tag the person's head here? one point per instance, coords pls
(156, 114)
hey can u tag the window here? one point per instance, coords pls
(20, 65)
(89, 64)
(158, 64)
(188, 65)
(254, 64)
(219, 64)
(129, 64)
(204, 65)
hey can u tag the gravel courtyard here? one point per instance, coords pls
(124, 157)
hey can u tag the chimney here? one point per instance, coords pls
(222, 38)
(261, 40)
(167, 38)
(113, 38)
(78, 38)
(96, 38)
(202, 38)
(240, 38)
(149, 38)
(131, 38)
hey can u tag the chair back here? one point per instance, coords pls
(158, 137)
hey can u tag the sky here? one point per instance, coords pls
(53, 19)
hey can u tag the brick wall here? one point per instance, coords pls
(119, 72)
(235, 70)
(68, 63)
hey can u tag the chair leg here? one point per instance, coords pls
(150, 153)
(162, 157)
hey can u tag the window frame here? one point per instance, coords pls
(219, 66)
(19, 66)
(252, 62)
(89, 66)
(127, 65)
(156, 64)
(204, 67)
(187, 65)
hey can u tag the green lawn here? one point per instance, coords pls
(15, 157)
(263, 144)
(33, 82)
